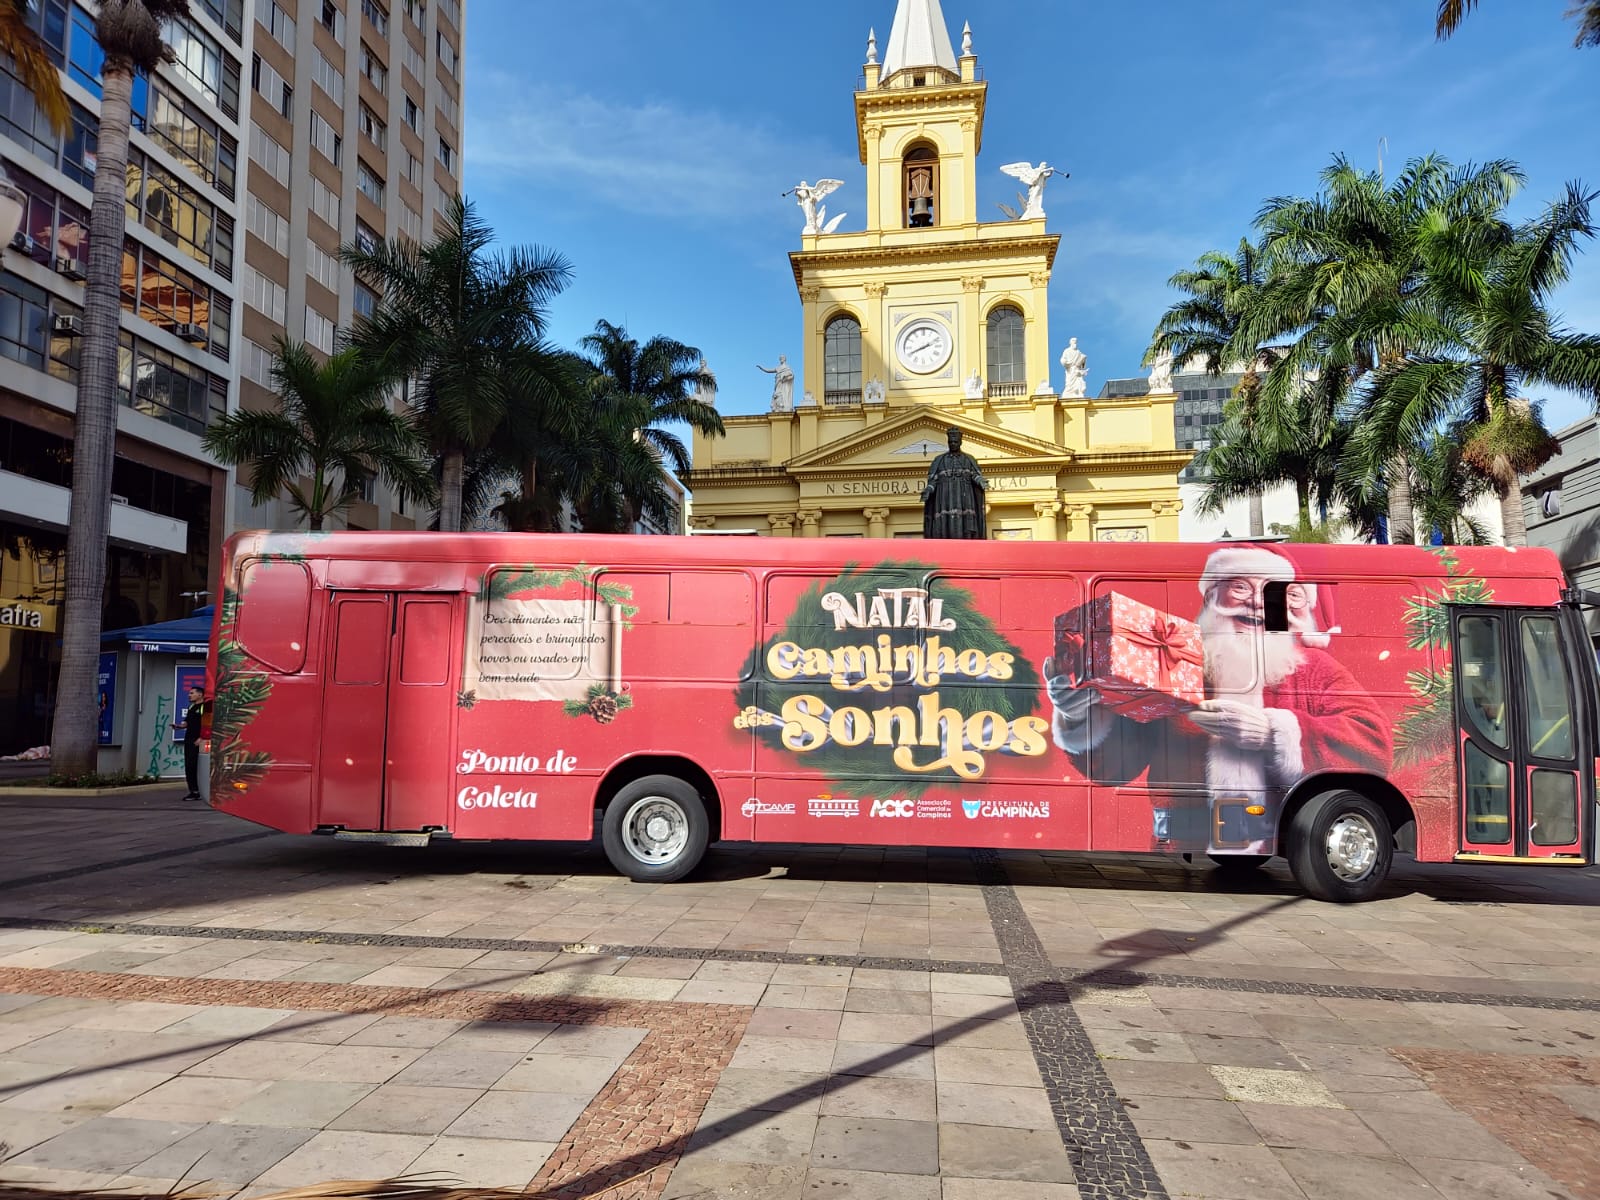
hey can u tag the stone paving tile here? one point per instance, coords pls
(888, 1099)
(224, 1154)
(191, 1098)
(483, 1162)
(869, 1185)
(397, 1108)
(987, 1152)
(346, 1154)
(1334, 1130)
(518, 1116)
(741, 1090)
(1343, 1176)
(105, 1144)
(567, 1075)
(259, 1060)
(891, 1060)
(425, 1032)
(1187, 1120)
(779, 1054)
(137, 1016)
(291, 1103)
(1272, 1086)
(779, 1137)
(360, 1064)
(94, 1092)
(898, 1147)
(999, 1189)
(990, 1104)
(700, 1178)
(23, 1129)
(1222, 1172)
(1457, 1180)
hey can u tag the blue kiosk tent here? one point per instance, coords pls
(145, 673)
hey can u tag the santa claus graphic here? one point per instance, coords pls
(1278, 707)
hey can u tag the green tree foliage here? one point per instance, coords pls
(334, 430)
(1587, 14)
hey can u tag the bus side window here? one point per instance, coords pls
(1275, 606)
(274, 613)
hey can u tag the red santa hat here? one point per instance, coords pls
(1314, 622)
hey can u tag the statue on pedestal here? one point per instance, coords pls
(1034, 178)
(782, 384)
(1076, 384)
(952, 502)
(1161, 373)
(973, 389)
(810, 198)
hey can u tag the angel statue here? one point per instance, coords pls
(1034, 178)
(810, 199)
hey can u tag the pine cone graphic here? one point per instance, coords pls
(603, 708)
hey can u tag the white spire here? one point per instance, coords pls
(920, 38)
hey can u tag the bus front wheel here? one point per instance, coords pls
(1340, 847)
(655, 829)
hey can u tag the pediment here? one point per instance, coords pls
(914, 437)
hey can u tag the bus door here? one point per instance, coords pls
(388, 711)
(1523, 763)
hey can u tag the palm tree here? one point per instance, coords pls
(333, 432)
(129, 33)
(1453, 12)
(1220, 291)
(30, 58)
(1446, 488)
(1483, 332)
(468, 327)
(637, 392)
(1341, 266)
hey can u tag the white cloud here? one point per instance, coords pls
(647, 157)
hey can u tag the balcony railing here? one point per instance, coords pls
(847, 396)
(1007, 391)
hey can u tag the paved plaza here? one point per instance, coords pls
(184, 997)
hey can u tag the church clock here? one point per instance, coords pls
(924, 346)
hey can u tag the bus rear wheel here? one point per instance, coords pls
(655, 829)
(1341, 847)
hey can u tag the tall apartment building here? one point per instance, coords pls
(353, 134)
(280, 131)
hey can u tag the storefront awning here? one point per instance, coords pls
(187, 635)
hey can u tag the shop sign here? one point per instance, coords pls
(25, 614)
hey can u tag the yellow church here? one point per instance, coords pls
(931, 319)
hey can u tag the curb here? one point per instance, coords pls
(37, 793)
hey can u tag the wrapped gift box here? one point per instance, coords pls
(1146, 664)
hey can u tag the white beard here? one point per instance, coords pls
(1236, 670)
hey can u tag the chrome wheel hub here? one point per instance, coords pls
(1352, 847)
(655, 830)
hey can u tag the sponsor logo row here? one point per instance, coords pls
(900, 808)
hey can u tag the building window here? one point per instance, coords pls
(368, 183)
(200, 59)
(271, 85)
(367, 239)
(319, 330)
(372, 67)
(270, 153)
(271, 227)
(257, 364)
(413, 115)
(276, 22)
(263, 295)
(366, 300)
(450, 11)
(377, 14)
(228, 16)
(24, 321)
(375, 130)
(410, 222)
(446, 52)
(325, 202)
(178, 213)
(413, 172)
(1007, 362)
(920, 172)
(328, 77)
(413, 60)
(326, 140)
(323, 267)
(841, 360)
(194, 139)
(417, 11)
(332, 19)
(448, 106)
(447, 155)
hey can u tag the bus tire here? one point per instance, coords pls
(1239, 864)
(1340, 847)
(655, 829)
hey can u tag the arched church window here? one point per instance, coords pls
(921, 172)
(841, 361)
(1007, 346)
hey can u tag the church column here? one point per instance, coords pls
(974, 343)
(810, 522)
(1166, 520)
(782, 524)
(1080, 519)
(1045, 513)
(877, 521)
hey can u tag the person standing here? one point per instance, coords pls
(193, 721)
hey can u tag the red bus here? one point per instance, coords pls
(1331, 704)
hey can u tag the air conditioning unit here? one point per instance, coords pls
(69, 325)
(72, 268)
(191, 333)
(21, 241)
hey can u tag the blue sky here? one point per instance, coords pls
(649, 141)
